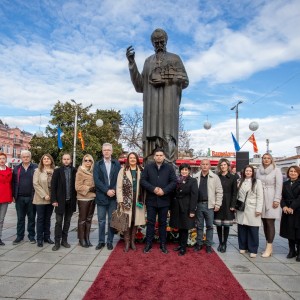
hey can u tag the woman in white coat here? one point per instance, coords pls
(249, 220)
(271, 179)
(129, 196)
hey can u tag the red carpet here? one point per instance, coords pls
(135, 275)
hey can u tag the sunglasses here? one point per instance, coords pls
(88, 160)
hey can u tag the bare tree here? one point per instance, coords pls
(132, 131)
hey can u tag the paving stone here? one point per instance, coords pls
(80, 290)
(236, 256)
(295, 267)
(82, 250)
(282, 258)
(48, 248)
(16, 255)
(15, 286)
(77, 259)
(72, 272)
(294, 295)
(50, 289)
(44, 257)
(275, 268)
(256, 282)
(287, 283)
(99, 261)
(242, 267)
(91, 274)
(6, 266)
(30, 270)
(268, 295)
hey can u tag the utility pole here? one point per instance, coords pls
(236, 107)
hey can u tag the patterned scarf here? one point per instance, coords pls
(180, 180)
(127, 191)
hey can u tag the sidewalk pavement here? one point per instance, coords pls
(30, 272)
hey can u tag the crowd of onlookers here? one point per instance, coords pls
(204, 199)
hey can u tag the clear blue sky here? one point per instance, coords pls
(232, 50)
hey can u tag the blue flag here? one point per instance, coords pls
(235, 143)
(59, 135)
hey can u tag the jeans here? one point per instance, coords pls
(207, 214)
(162, 212)
(43, 221)
(248, 238)
(3, 210)
(62, 230)
(102, 211)
(25, 208)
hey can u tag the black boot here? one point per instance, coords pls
(292, 252)
(164, 249)
(83, 244)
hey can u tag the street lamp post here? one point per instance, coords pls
(236, 107)
(75, 132)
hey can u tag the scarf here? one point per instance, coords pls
(181, 180)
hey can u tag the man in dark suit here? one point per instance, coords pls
(105, 177)
(159, 180)
(63, 198)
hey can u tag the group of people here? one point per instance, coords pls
(204, 199)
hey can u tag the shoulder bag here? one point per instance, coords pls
(240, 205)
(119, 220)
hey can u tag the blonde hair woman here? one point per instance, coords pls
(272, 180)
(42, 198)
(85, 187)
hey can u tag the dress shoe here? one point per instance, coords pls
(220, 247)
(56, 247)
(100, 246)
(163, 249)
(89, 243)
(181, 252)
(298, 257)
(252, 255)
(242, 251)
(32, 240)
(208, 249)
(1, 243)
(291, 254)
(147, 248)
(65, 244)
(17, 241)
(223, 248)
(177, 248)
(40, 243)
(109, 246)
(198, 247)
(49, 241)
(83, 244)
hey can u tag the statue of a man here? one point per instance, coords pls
(161, 82)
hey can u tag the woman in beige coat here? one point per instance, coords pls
(249, 220)
(129, 196)
(85, 187)
(42, 186)
(271, 179)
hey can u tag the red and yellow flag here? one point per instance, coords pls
(253, 141)
(80, 137)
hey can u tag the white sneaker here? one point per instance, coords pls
(242, 251)
(252, 255)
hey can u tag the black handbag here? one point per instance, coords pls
(119, 220)
(240, 205)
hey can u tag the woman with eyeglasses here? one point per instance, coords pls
(42, 199)
(85, 187)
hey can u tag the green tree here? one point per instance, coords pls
(63, 115)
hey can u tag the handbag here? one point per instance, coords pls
(240, 205)
(119, 220)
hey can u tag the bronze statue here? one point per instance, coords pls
(161, 83)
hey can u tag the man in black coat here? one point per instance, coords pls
(159, 180)
(63, 198)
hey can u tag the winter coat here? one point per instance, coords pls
(254, 203)
(40, 184)
(164, 177)
(58, 189)
(139, 212)
(83, 182)
(214, 189)
(290, 224)
(271, 179)
(184, 203)
(229, 186)
(6, 186)
(102, 183)
(16, 177)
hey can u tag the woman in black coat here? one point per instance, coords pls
(290, 204)
(183, 206)
(223, 218)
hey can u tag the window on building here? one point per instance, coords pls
(14, 152)
(7, 149)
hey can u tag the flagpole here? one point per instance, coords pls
(75, 132)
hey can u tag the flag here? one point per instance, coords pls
(253, 141)
(235, 143)
(80, 137)
(59, 135)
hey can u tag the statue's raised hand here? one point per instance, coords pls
(130, 54)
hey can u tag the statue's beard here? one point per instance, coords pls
(160, 49)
